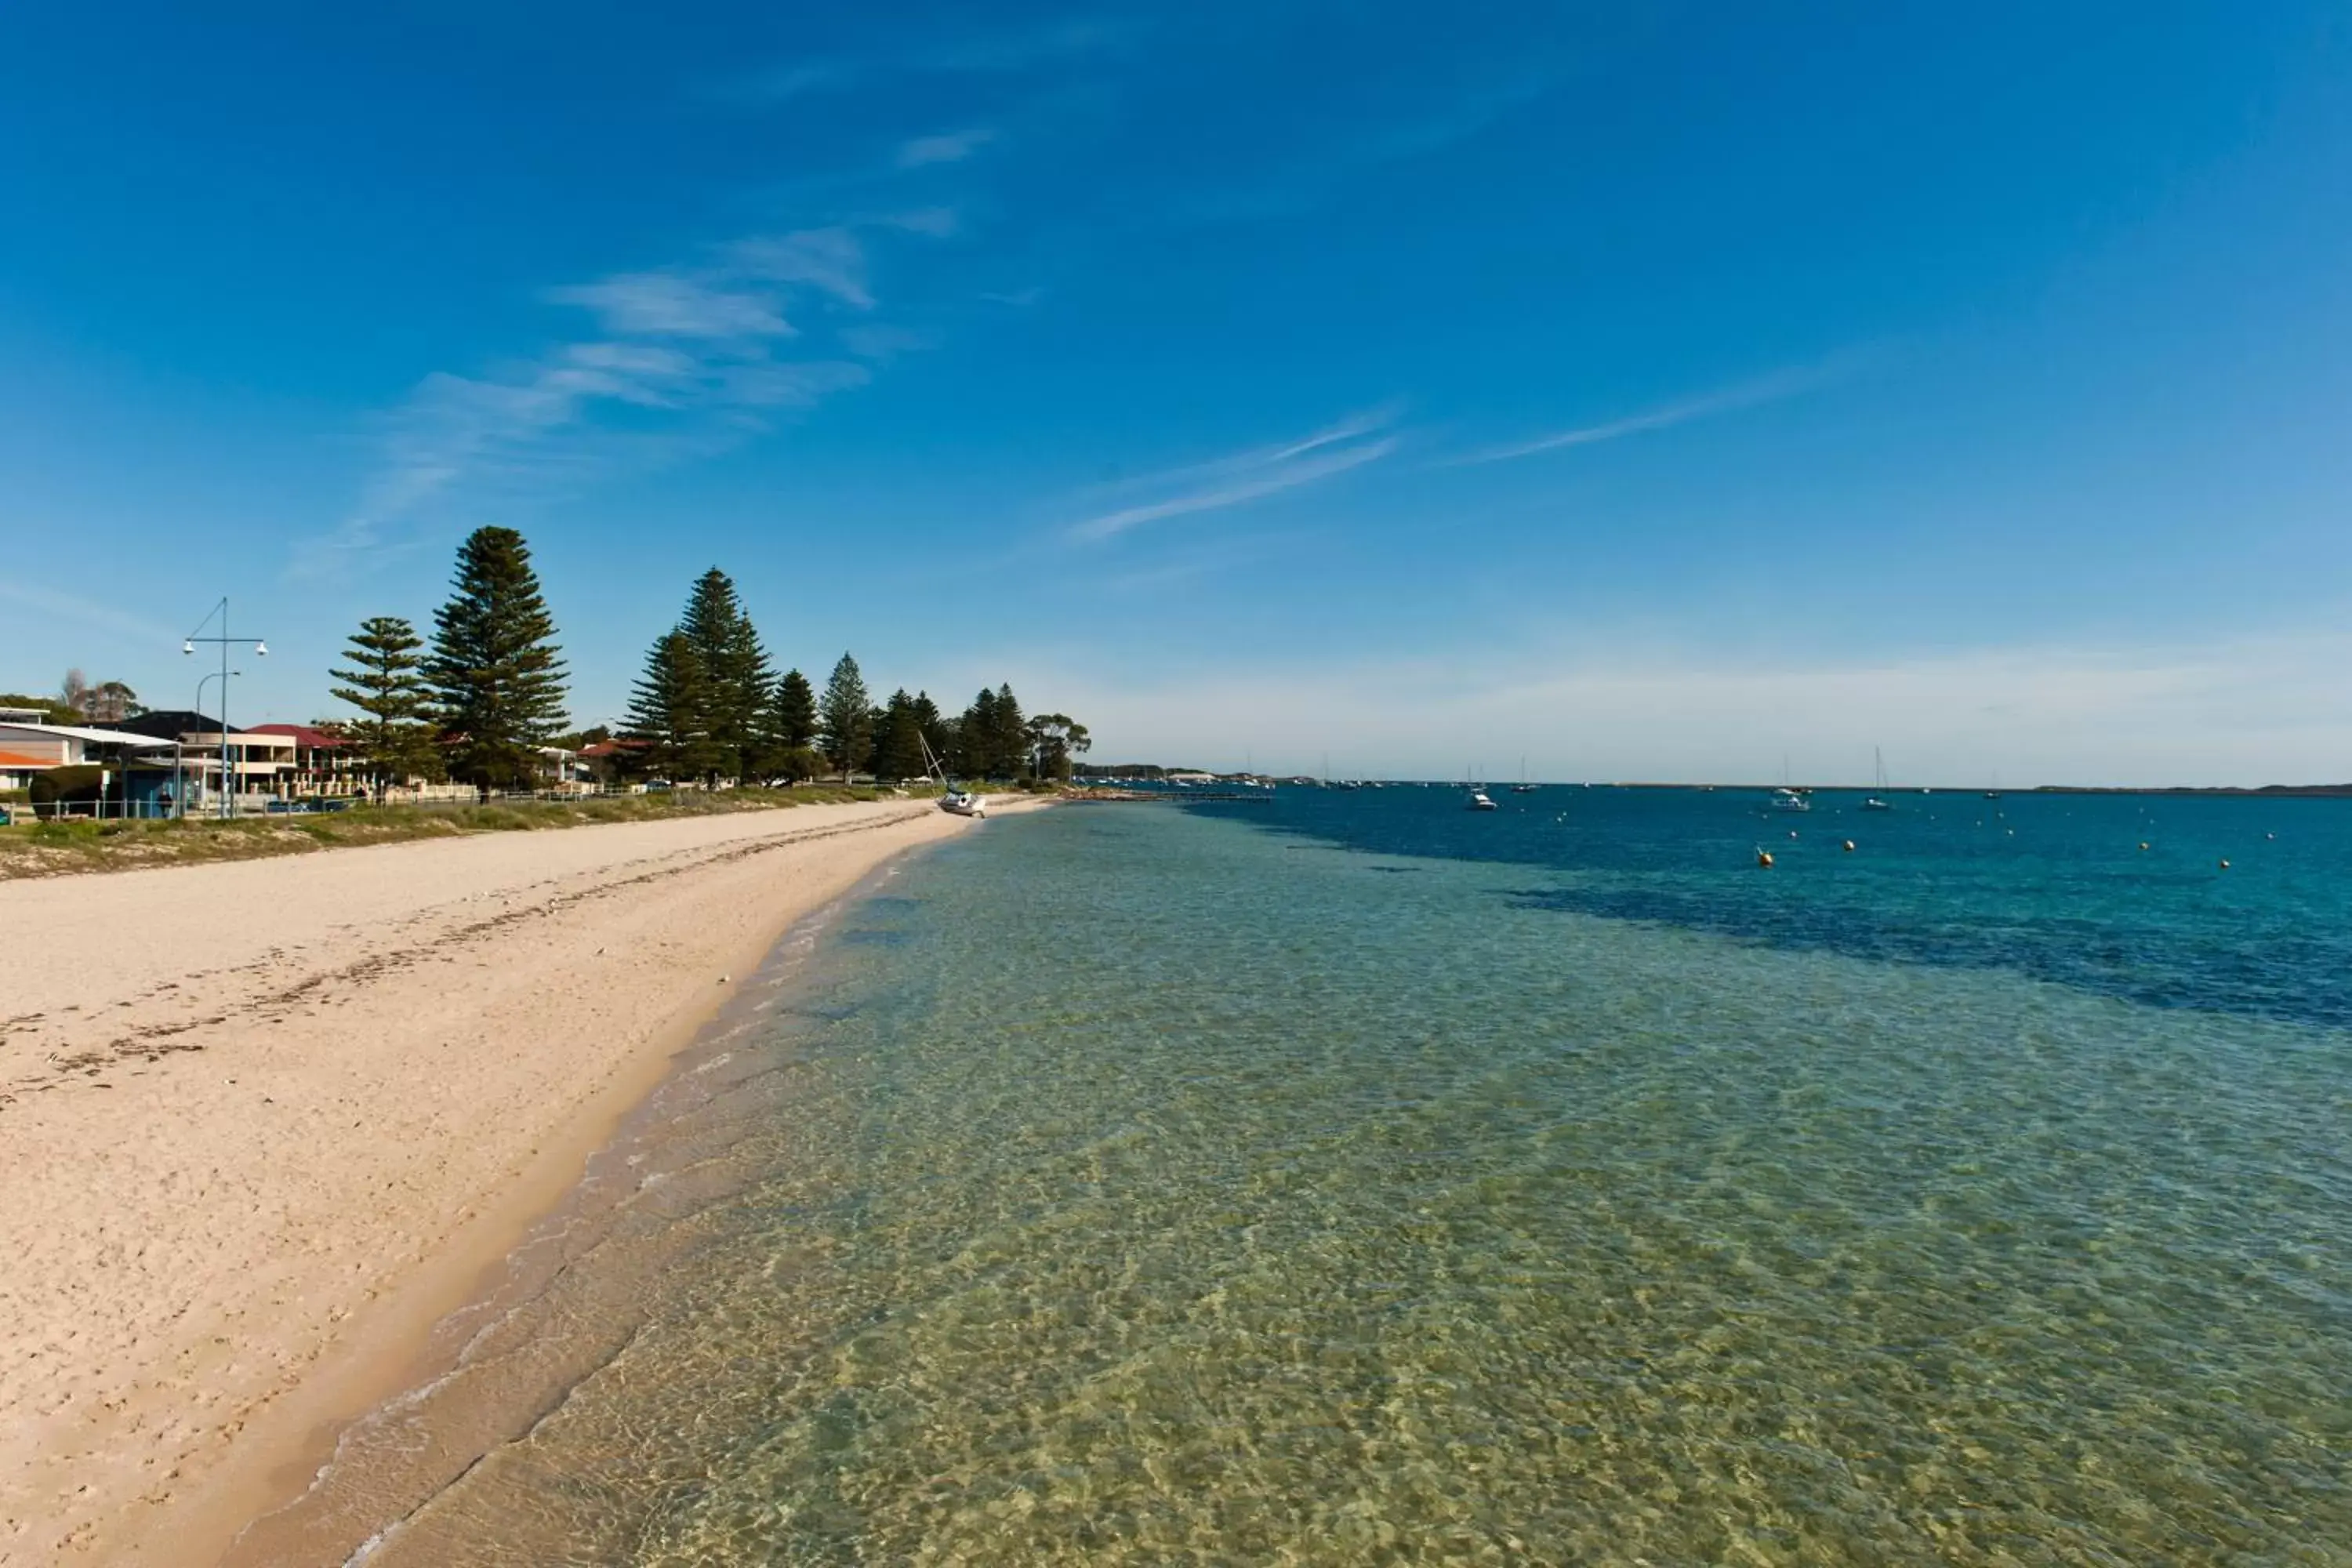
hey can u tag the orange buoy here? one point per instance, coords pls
(1764, 859)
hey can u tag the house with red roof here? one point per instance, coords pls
(17, 768)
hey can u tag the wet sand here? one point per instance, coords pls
(265, 1123)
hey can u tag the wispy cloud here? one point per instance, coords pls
(1772, 388)
(784, 83)
(1019, 299)
(671, 304)
(72, 609)
(883, 343)
(832, 260)
(688, 363)
(999, 54)
(951, 147)
(1200, 560)
(1315, 177)
(937, 222)
(1071, 38)
(1247, 476)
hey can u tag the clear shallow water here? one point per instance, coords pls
(1140, 1185)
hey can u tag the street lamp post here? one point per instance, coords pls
(179, 797)
(224, 641)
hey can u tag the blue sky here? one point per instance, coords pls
(1653, 390)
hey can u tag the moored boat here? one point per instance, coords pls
(1878, 791)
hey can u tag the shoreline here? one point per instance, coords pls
(399, 1465)
(212, 1296)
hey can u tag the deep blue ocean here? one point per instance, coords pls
(2054, 887)
(1350, 1178)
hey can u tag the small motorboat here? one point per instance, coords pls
(1875, 803)
(1785, 799)
(1481, 801)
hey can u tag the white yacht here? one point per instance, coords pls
(1787, 799)
(1481, 801)
(1876, 800)
(956, 801)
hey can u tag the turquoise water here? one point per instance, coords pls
(1357, 1181)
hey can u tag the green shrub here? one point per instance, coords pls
(66, 787)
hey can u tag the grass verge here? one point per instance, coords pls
(58, 848)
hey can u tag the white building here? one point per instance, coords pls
(72, 745)
(28, 749)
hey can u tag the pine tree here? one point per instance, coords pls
(384, 683)
(735, 667)
(788, 731)
(931, 727)
(793, 715)
(494, 666)
(1008, 743)
(898, 739)
(845, 718)
(975, 735)
(670, 710)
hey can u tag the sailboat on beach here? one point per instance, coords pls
(1877, 800)
(955, 801)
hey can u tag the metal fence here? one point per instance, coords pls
(248, 806)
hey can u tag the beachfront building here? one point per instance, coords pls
(614, 762)
(191, 772)
(182, 768)
(565, 771)
(70, 745)
(31, 749)
(322, 762)
(17, 768)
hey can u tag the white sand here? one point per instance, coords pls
(262, 1121)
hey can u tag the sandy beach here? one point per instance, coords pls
(265, 1121)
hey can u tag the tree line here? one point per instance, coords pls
(79, 701)
(478, 703)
